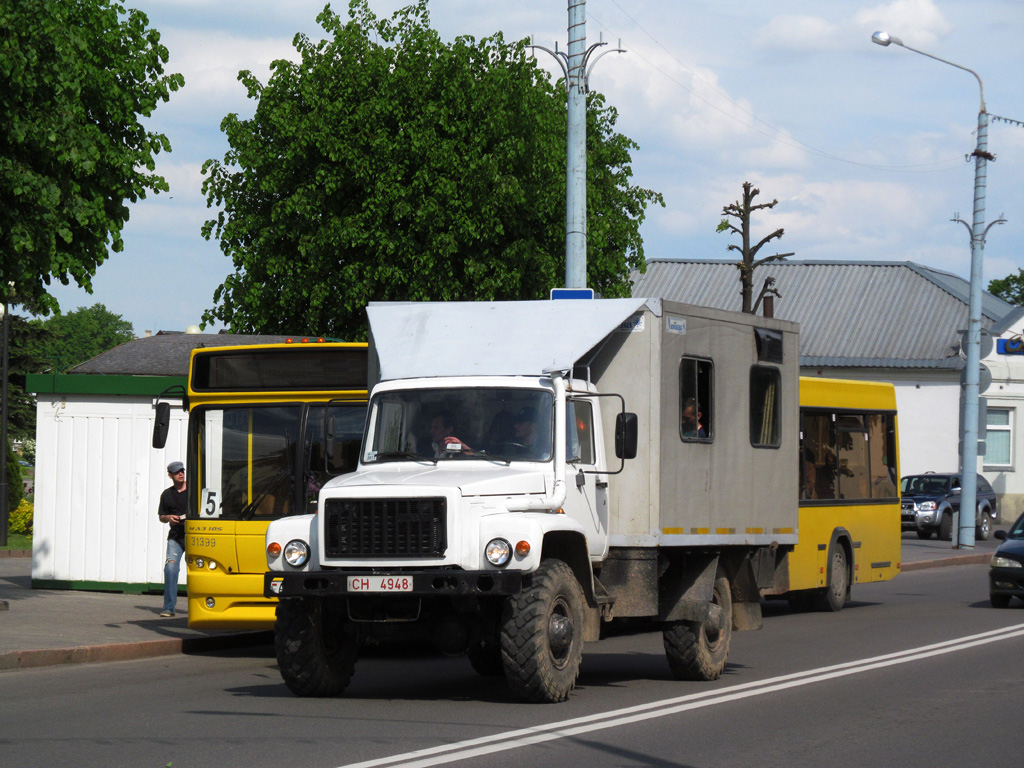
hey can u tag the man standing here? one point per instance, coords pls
(172, 510)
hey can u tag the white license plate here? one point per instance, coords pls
(380, 583)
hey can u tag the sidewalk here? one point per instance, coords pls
(42, 627)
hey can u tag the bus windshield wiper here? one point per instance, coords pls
(249, 510)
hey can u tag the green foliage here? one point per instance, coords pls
(19, 519)
(388, 165)
(67, 340)
(15, 489)
(75, 77)
(1009, 288)
(24, 358)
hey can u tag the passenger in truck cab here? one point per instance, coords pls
(526, 434)
(441, 429)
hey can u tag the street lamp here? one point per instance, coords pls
(969, 438)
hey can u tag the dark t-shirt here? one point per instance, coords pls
(174, 503)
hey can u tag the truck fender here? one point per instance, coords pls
(570, 546)
(301, 527)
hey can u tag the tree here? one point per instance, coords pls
(1009, 288)
(389, 165)
(75, 77)
(741, 211)
(77, 336)
(25, 348)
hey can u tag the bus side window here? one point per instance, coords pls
(818, 456)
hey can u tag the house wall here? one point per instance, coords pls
(98, 481)
(1007, 392)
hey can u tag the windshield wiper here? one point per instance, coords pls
(249, 510)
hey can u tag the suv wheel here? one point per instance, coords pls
(946, 527)
(984, 527)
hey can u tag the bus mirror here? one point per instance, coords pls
(625, 436)
(328, 441)
(161, 424)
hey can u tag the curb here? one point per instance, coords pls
(145, 649)
(15, 553)
(942, 562)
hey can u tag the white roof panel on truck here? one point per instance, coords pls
(499, 338)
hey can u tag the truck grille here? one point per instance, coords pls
(385, 527)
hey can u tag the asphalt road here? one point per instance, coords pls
(889, 681)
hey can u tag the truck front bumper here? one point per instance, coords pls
(425, 583)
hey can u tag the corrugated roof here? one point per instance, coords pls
(862, 314)
(166, 354)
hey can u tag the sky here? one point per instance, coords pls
(864, 147)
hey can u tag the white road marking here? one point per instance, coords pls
(485, 745)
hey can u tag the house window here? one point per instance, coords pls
(999, 437)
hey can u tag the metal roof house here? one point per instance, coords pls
(887, 321)
(98, 478)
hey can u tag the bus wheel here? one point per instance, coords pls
(837, 584)
(695, 651)
(316, 649)
(946, 527)
(924, 533)
(542, 635)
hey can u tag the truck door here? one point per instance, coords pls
(586, 497)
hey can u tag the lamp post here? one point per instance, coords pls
(969, 436)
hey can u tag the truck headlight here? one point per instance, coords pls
(927, 506)
(498, 552)
(296, 553)
(1004, 562)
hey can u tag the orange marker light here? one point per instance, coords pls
(273, 549)
(523, 548)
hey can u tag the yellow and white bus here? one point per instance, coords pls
(268, 425)
(849, 520)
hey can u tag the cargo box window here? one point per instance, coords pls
(696, 411)
(765, 407)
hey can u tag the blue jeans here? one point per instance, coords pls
(172, 565)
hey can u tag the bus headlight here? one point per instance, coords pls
(498, 552)
(296, 553)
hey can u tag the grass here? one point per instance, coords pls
(18, 541)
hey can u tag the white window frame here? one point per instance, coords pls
(1007, 428)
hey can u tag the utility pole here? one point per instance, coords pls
(576, 66)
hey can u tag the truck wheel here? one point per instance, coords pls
(837, 582)
(924, 533)
(542, 635)
(984, 527)
(946, 527)
(693, 651)
(316, 649)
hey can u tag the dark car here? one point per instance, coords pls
(929, 501)
(1006, 570)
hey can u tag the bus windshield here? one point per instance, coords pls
(491, 423)
(264, 462)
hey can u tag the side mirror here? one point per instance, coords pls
(956, 489)
(1000, 534)
(328, 440)
(625, 436)
(161, 425)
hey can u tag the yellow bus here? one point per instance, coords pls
(268, 426)
(849, 519)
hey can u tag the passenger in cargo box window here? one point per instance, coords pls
(691, 420)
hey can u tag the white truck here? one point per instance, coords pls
(536, 474)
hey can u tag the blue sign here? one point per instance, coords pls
(572, 293)
(1014, 346)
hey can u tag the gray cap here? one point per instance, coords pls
(175, 467)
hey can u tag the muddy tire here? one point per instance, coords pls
(694, 652)
(837, 581)
(316, 649)
(542, 635)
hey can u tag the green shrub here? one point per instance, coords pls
(20, 519)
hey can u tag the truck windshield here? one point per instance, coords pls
(264, 462)
(491, 423)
